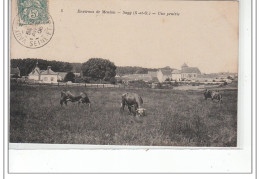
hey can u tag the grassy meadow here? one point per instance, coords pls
(174, 118)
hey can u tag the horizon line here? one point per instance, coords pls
(120, 66)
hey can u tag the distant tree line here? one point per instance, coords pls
(95, 69)
(28, 64)
(133, 70)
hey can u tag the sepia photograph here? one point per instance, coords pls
(158, 73)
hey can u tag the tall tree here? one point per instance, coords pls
(98, 68)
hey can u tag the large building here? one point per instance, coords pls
(189, 72)
(43, 76)
(166, 74)
(176, 75)
(186, 73)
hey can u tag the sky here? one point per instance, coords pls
(204, 35)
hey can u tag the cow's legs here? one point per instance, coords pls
(135, 108)
(130, 110)
(122, 108)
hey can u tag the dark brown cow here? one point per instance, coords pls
(213, 95)
(68, 96)
(133, 101)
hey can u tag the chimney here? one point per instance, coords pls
(48, 69)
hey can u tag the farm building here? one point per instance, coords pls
(43, 76)
(186, 72)
(164, 74)
(152, 73)
(189, 72)
(176, 75)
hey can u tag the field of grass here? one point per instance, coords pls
(174, 118)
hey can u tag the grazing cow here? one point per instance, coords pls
(133, 100)
(84, 98)
(216, 95)
(141, 112)
(213, 95)
(68, 96)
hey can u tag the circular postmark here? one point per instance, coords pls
(33, 35)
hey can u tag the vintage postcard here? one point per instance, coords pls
(122, 72)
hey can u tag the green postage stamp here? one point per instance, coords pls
(32, 12)
(33, 26)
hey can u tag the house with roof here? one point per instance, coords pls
(189, 72)
(176, 75)
(186, 72)
(164, 74)
(15, 72)
(43, 76)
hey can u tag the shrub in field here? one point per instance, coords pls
(79, 80)
(87, 79)
(175, 83)
(70, 77)
(113, 80)
(119, 81)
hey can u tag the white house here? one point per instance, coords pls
(176, 75)
(164, 74)
(186, 72)
(189, 72)
(43, 76)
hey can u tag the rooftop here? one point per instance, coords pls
(190, 70)
(166, 71)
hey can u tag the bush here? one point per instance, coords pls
(113, 80)
(79, 80)
(70, 77)
(119, 81)
(87, 79)
(168, 79)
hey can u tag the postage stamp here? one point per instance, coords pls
(33, 27)
(32, 12)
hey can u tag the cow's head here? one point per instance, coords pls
(141, 112)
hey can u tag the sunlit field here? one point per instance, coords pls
(174, 118)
